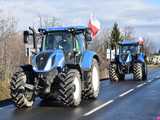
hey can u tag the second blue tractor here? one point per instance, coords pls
(129, 59)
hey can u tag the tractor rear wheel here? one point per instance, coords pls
(145, 71)
(92, 82)
(70, 88)
(138, 71)
(113, 72)
(21, 96)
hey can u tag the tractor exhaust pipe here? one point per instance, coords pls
(34, 38)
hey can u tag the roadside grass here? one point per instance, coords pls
(153, 66)
(4, 90)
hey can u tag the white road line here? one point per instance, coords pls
(140, 85)
(111, 101)
(98, 108)
(125, 93)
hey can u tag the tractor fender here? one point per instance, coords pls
(141, 57)
(87, 58)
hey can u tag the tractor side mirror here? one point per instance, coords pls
(88, 37)
(25, 36)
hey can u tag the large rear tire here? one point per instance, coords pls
(145, 72)
(21, 96)
(138, 71)
(92, 82)
(70, 88)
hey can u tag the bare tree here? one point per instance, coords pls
(48, 21)
(128, 33)
(11, 52)
(100, 44)
(148, 46)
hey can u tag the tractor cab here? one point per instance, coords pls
(128, 47)
(128, 50)
(134, 47)
(66, 38)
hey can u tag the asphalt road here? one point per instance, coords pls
(126, 100)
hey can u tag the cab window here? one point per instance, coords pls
(80, 42)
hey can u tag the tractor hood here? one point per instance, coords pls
(47, 60)
(125, 58)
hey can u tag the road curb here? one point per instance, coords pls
(5, 102)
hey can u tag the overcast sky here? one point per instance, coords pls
(143, 15)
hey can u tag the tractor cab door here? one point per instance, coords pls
(79, 45)
(78, 49)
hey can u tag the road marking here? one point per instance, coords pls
(140, 85)
(125, 93)
(111, 101)
(98, 108)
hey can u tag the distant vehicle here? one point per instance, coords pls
(131, 59)
(64, 69)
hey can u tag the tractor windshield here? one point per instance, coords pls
(58, 40)
(133, 49)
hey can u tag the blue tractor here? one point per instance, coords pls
(129, 59)
(63, 69)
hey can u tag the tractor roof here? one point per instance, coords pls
(128, 43)
(67, 28)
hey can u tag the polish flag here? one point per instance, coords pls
(94, 26)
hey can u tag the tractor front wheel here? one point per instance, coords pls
(70, 88)
(138, 71)
(113, 72)
(145, 72)
(92, 82)
(21, 96)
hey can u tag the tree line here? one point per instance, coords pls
(12, 52)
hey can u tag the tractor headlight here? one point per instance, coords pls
(48, 65)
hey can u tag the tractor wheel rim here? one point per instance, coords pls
(77, 89)
(95, 80)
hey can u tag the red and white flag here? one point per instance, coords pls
(94, 26)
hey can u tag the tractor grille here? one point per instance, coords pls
(124, 57)
(42, 59)
(124, 67)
